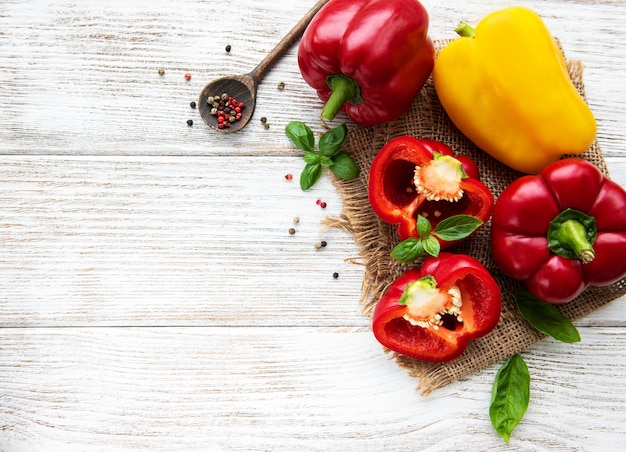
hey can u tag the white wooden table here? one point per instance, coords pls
(151, 296)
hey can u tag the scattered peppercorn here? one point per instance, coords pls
(263, 119)
(266, 125)
(320, 245)
(288, 176)
(192, 104)
(190, 122)
(323, 205)
(187, 76)
(335, 275)
(228, 48)
(161, 71)
(281, 85)
(296, 220)
(292, 231)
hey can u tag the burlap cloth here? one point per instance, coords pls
(426, 119)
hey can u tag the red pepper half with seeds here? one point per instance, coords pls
(561, 230)
(411, 177)
(431, 314)
(368, 58)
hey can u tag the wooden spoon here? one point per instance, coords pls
(243, 88)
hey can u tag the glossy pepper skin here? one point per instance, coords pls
(533, 241)
(456, 287)
(373, 56)
(507, 88)
(396, 199)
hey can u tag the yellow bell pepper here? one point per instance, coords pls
(505, 85)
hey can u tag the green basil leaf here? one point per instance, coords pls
(326, 161)
(431, 245)
(301, 135)
(312, 157)
(408, 250)
(332, 141)
(423, 226)
(344, 167)
(546, 318)
(510, 396)
(457, 227)
(310, 174)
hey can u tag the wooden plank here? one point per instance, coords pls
(285, 388)
(82, 78)
(171, 241)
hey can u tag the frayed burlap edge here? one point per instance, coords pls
(427, 120)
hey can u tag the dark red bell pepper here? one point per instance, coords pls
(369, 58)
(431, 314)
(561, 230)
(411, 177)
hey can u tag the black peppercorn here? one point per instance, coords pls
(190, 122)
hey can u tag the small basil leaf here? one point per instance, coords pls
(408, 250)
(332, 141)
(312, 157)
(457, 227)
(344, 167)
(301, 135)
(510, 396)
(546, 318)
(431, 245)
(423, 226)
(310, 174)
(326, 161)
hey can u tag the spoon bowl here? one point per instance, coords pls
(243, 88)
(240, 87)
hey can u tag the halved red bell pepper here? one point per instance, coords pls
(561, 230)
(411, 177)
(431, 314)
(368, 58)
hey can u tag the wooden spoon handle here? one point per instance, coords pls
(290, 38)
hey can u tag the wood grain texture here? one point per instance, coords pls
(107, 240)
(207, 241)
(280, 389)
(82, 79)
(151, 295)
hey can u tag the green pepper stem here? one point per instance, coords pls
(344, 89)
(572, 234)
(465, 30)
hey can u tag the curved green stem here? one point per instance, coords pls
(465, 30)
(571, 234)
(344, 89)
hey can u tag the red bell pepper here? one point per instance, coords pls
(561, 230)
(411, 177)
(431, 314)
(369, 58)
